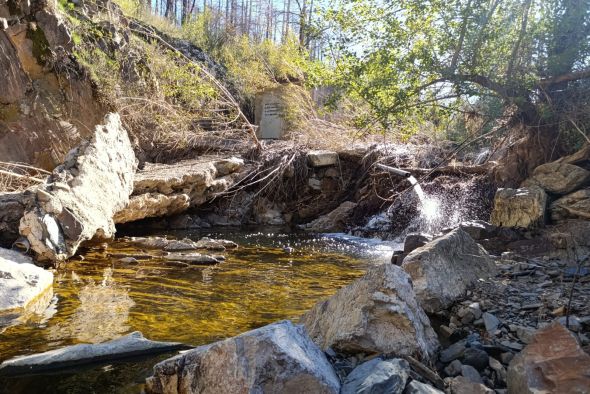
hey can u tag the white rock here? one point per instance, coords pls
(24, 287)
(377, 313)
(443, 269)
(278, 358)
(82, 195)
(322, 158)
(149, 205)
(377, 376)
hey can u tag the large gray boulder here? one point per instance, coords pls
(443, 269)
(24, 287)
(130, 345)
(80, 198)
(377, 313)
(377, 376)
(553, 362)
(278, 358)
(523, 208)
(573, 206)
(559, 178)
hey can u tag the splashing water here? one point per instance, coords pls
(429, 206)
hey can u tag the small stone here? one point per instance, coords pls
(491, 323)
(477, 358)
(468, 318)
(505, 358)
(512, 345)
(377, 375)
(454, 368)
(462, 385)
(453, 352)
(471, 373)
(499, 369)
(573, 323)
(446, 331)
(416, 387)
(558, 311)
(525, 334)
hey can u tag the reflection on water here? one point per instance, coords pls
(101, 315)
(100, 298)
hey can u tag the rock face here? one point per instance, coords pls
(24, 287)
(34, 47)
(377, 376)
(443, 269)
(12, 209)
(169, 189)
(560, 178)
(334, 221)
(377, 313)
(80, 198)
(133, 344)
(552, 363)
(152, 205)
(524, 207)
(322, 158)
(573, 206)
(278, 358)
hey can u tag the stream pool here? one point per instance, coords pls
(98, 297)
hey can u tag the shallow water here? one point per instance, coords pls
(100, 298)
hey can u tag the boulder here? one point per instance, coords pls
(523, 208)
(559, 178)
(414, 241)
(278, 358)
(377, 376)
(130, 345)
(334, 221)
(24, 287)
(322, 158)
(553, 362)
(78, 201)
(149, 205)
(443, 270)
(377, 313)
(573, 206)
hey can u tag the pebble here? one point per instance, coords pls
(471, 374)
(454, 368)
(476, 358)
(453, 352)
(491, 323)
(512, 345)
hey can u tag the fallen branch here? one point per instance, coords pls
(27, 177)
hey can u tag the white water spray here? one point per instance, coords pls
(429, 206)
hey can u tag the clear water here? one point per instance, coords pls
(98, 298)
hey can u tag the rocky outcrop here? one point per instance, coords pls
(334, 221)
(559, 178)
(152, 205)
(168, 189)
(278, 358)
(24, 287)
(40, 119)
(130, 345)
(443, 269)
(78, 201)
(377, 313)
(573, 206)
(377, 376)
(523, 208)
(552, 363)
(12, 209)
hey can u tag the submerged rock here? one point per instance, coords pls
(443, 270)
(552, 363)
(194, 258)
(377, 376)
(334, 221)
(130, 345)
(80, 198)
(559, 178)
(377, 313)
(524, 207)
(24, 287)
(278, 358)
(215, 244)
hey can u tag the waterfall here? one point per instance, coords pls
(429, 206)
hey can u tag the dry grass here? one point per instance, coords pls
(17, 176)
